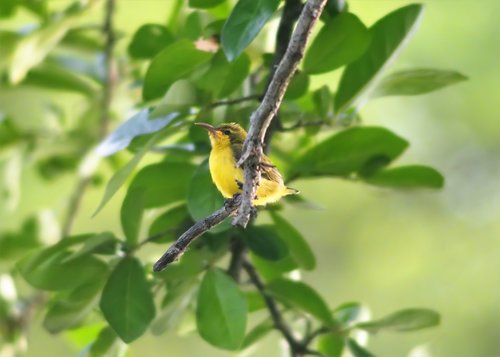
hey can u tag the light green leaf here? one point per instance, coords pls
(301, 296)
(339, 42)
(236, 75)
(299, 249)
(298, 86)
(357, 350)
(265, 242)
(331, 345)
(221, 311)
(389, 35)
(104, 342)
(258, 332)
(204, 4)
(245, 22)
(127, 302)
(149, 40)
(94, 244)
(173, 63)
(348, 313)
(407, 177)
(403, 320)
(416, 81)
(131, 213)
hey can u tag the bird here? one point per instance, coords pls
(227, 146)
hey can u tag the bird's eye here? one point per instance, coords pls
(227, 132)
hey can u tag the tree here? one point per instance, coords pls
(199, 66)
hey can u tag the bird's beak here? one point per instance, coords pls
(209, 127)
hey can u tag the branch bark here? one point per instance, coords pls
(261, 118)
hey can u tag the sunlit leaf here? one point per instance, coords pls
(331, 345)
(104, 342)
(258, 332)
(403, 320)
(407, 177)
(204, 4)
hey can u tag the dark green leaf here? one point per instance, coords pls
(204, 4)
(104, 342)
(389, 34)
(271, 270)
(148, 40)
(70, 309)
(416, 81)
(331, 345)
(131, 213)
(299, 250)
(47, 269)
(257, 333)
(357, 350)
(403, 320)
(339, 42)
(414, 176)
(173, 63)
(164, 183)
(265, 242)
(355, 150)
(236, 75)
(245, 22)
(301, 296)
(127, 302)
(171, 224)
(94, 244)
(298, 86)
(203, 197)
(221, 311)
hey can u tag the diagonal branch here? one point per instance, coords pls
(261, 118)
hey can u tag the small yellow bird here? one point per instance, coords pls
(227, 145)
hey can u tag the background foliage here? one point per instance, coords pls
(386, 249)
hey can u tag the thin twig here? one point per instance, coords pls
(261, 118)
(74, 205)
(195, 231)
(248, 98)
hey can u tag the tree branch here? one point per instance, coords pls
(248, 98)
(200, 227)
(261, 118)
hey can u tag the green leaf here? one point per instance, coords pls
(70, 309)
(121, 175)
(94, 244)
(221, 311)
(298, 86)
(8, 8)
(258, 332)
(301, 296)
(237, 73)
(403, 320)
(389, 35)
(54, 76)
(131, 213)
(407, 177)
(356, 150)
(175, 62)
(299, 249)
(170, 224)
(148, 40)
(127, 302)
(271, 270)
(331, 345)
(203, 197)
(265, 242)
(245, 22)
(47, 269)
(16, 244)
(339, 42)
(204, 4)
(357, 350)
(104, 342)
(416, 81)
(163, 183)
(348, 313)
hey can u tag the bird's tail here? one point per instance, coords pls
(291, 191)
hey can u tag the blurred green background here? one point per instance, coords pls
(386, 249)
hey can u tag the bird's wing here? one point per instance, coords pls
(267, 170)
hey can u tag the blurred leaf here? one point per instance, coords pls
(322, 99)
(298, 86)
(7, 8)
(171, 224)
(350, 151)
(265, 242)
(9, 40)
(203, 198)
(121, 175)
(299, 249)
(173, 63)
(258, 332)
(221, 311)
(149, 40)
(357, 350)
(339, 42)
(94, 244)
(54, 76)
(47, 269)
(331, 345)
(70, 309)
(204, 4)
(348, 313)
(131, 214)
(389, 35)
(255, 301)
(9, 133)
(271, 270)
(416, 81)
(164, 183)
(245, 22)
(104, 342)
(127, 302)
(413, 176)
(302, 297)
(140, 124)
(15, 244)
(403, 320)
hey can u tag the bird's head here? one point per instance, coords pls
(225, 134)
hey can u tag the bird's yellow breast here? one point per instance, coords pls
(224, 171)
